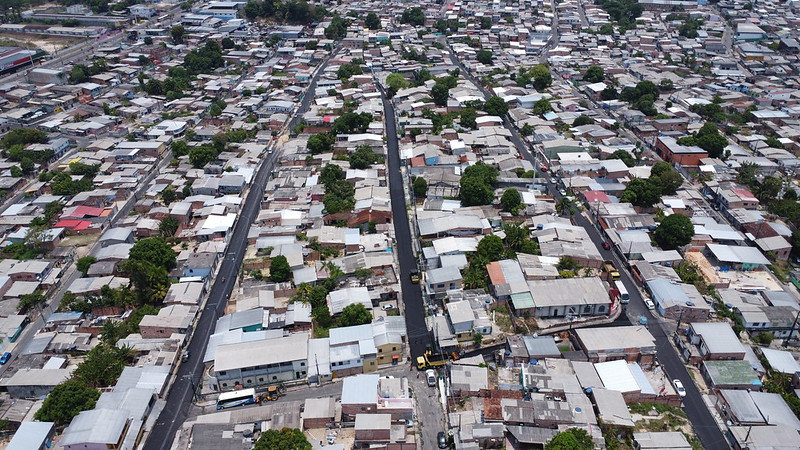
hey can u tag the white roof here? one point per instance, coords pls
(781, 361)
(738, 254)
(261, 353)
(617, 376)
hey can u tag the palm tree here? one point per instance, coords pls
(565, 207)
(334, 272)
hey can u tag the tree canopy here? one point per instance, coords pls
(674, 231)
(496, 106)
(285, 439)
(279, 269)
(66, 401)
(571, 439)
(154, 250)
(414, 16)
(625, 156)
(511, 200)
(354, 314)
(372, 21)
(594, 74)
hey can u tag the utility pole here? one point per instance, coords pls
(791, 330)
(680, 318)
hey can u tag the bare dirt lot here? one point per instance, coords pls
(46, 42)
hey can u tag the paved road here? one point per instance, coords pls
(418, 336)
(701, 419)
(189, 374)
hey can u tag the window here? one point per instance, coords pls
(223, 373)
(394, 349)
(587, 309)
(380, 350)
(224, 385)
(302, 364)
(249, 381)
(274, 378)
(372, 363)
(261, 380)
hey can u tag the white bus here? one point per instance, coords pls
(237, 398)
(624, 298)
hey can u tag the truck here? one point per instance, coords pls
(610, 271)
(430, 359)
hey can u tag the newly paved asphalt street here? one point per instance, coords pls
(418, 336)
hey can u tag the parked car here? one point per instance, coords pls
(562, 192)
(430, 377)
(679, 387)
(414, 277)
(607, 245)
(649, 303)
(387, 307)
(6, 356)
(185, 356)
(441, 439)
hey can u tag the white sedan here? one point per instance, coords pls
(679, 387)
(649, 303)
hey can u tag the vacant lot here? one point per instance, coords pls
(46, 42)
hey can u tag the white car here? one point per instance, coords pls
(679, 387)
(387, 307)
(649, 303)
(430, 376)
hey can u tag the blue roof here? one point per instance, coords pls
(65, 316)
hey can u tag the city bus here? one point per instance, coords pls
(624, 297)
(237, 398)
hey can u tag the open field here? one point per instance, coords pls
(46, 42)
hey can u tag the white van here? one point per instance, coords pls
(624, 297)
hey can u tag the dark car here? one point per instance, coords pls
(185, 356)
(441, 439)
(607, 245)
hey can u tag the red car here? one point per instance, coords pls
(607, 245)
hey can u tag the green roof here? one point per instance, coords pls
(731, 373)
(522, 300)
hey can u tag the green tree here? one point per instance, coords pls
(609, 93)
(526, 130)
(477, 339)
(594, 74)
(363, 157)
(542, 106)
(15, 171)
(320, 143)
(511, 200)
(484, 56)
(26, 165)
(571, 439)
(168, 195)
(337, 30)
(372, 21)
(486, 173)
(279, 270)
(354, 314)
(23, 136)
(177, 33)
(475, 192)
(227, 43)
(542, 78)
(668, 177)
(582, 120)
(490, 248)
(331, 173)
(84, 263)
(179, 148)
(496, 106)
(151, 281)
(148, 40)
(168, 226)
(285, 439)
(397, 81)
(414, 16)
(625, 156)
(66, 401)
(440, 93)
(468, 118)
(674, 231)
(643, 193)
(420, 187)
(773, 142)
(154, 250)
(200, 156)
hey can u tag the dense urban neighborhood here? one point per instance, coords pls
(361, 224)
